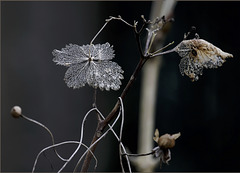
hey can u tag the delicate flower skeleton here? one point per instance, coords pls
(89, 64)
(198, 54)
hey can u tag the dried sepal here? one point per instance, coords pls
(156, 135)
(176, 135)
(90, 64)
(198, 54)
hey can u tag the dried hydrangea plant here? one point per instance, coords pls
(89, 64)
(198, 54)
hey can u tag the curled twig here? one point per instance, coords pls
(80, 141)
(113, 113)
(16, 112)
(93, 144)
(60, 144)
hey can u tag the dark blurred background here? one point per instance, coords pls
(206, 112)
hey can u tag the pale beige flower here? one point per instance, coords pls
(198, 54)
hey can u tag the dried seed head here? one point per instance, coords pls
(16, 112)
(198, 54)
(165, 141)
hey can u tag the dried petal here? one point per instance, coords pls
(163, 154)
(166, 156)
(105, 75)
(198, 54)
(76, 75)
(156, 137)
(71, 54)
(176, 135)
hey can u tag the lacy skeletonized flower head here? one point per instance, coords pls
(198, 54)
(89, 64)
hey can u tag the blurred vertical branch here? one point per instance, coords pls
(149, 92)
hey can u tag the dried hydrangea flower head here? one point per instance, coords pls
(89, 64)
(198, 54)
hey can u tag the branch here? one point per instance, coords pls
(137, 155)
(103, 124)
(56, 145)
(98, 139)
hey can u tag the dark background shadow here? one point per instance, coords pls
(206, 112)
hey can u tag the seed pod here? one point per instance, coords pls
(16, 112)
(167, 141)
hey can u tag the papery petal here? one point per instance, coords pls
(105, 75)
(104, 52)
(75, 76)
(99, 51)
(71, 54)
(198, 53)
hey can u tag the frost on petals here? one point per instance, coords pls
(198, 54)
(90, 64)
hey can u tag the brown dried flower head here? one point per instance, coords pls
(198, 54)
(165, 141)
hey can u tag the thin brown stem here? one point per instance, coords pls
(137, 155)
(101, 125)
(162, 53)
(47, 129)
(112, 114)
(88, 156)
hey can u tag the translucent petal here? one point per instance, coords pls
(190, 68)
(71, 54)
(105, 51)
(105, 75)
(99, 51)
(75, 76)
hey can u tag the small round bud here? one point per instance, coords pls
(16, 111)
